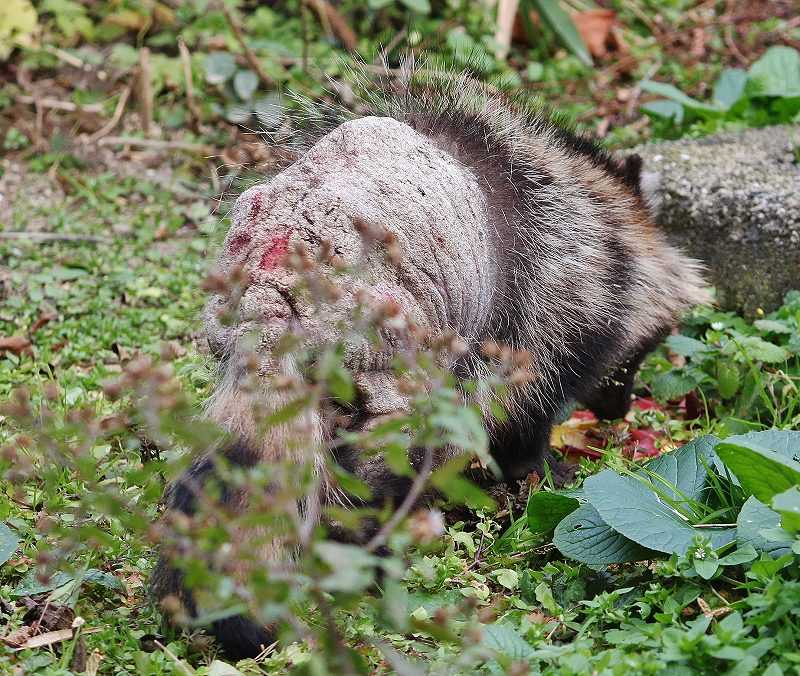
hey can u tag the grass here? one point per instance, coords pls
(486, 597)
(107, 301)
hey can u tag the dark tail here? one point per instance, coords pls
(239, 636)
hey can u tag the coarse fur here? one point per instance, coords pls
(584, 282)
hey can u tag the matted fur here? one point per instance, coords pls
(572, 270)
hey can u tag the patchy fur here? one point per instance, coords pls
(531, 237)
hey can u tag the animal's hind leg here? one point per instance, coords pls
(612, 398)
(519, 447)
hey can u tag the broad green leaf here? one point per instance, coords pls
(782, 442)
(772, 326)
(729, 88)
(103, 579)
(504, 639)
(728, 378)
(753, 518)
(419, 6)
(777, 73)
(686, 346)
(237, 113)
(739, 556)
(558, 21)
(220, 67)
(685, 469)
(455, 487)
(352, 568)
(671, 110)
(269, 111)
(706, 567)
(759, 349)
(546, 509)
(584, 536)
(8, 543)
(31, 585)
(674, 94)
(220, 668)
(507, 578)
(787, 504)
(633, 510)
(760, 472)
(544, 595)
(245, 84)
(17, 24)
(672, 385)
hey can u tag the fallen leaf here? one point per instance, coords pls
(93, 663)
(44, 318)
(538, 617)
(572, 432)
(596, 27)
(647, 404)
(574, 452)
(15, 344)
(48, 638)
(641, 443)
(18, 637)
(712, 613)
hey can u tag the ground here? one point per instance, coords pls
(103, 253)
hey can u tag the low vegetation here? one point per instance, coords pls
(666, 542)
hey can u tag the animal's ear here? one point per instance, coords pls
(632, 171)
(649, 185)
(645, 183)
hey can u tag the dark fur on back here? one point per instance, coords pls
(585, 282)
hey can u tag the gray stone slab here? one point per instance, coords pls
(733, 201)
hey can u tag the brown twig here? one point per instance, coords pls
(108, 127)
(408, 503)
(54, 237)
(156, 144)
(388, 49)
(145, 92)
(506, 12)
(65, 56)
(56, 104)
(252, 59)
(186, 62)
(183, 668)
(333, 22)
(304, 34)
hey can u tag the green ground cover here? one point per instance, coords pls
(503, 589)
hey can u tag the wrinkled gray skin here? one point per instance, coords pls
(508, 229)
(387, 175)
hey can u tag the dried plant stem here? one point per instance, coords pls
(108, 127)
(252, 59)
(157, 144)
(56, 104)
(186, 63)
(506, 12)
(145, 92)
(182, 667)
(333, 23)
(53, 237)
(406, 506)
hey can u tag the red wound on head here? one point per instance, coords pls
(238, 243)
(255, 206)
(277, 248)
